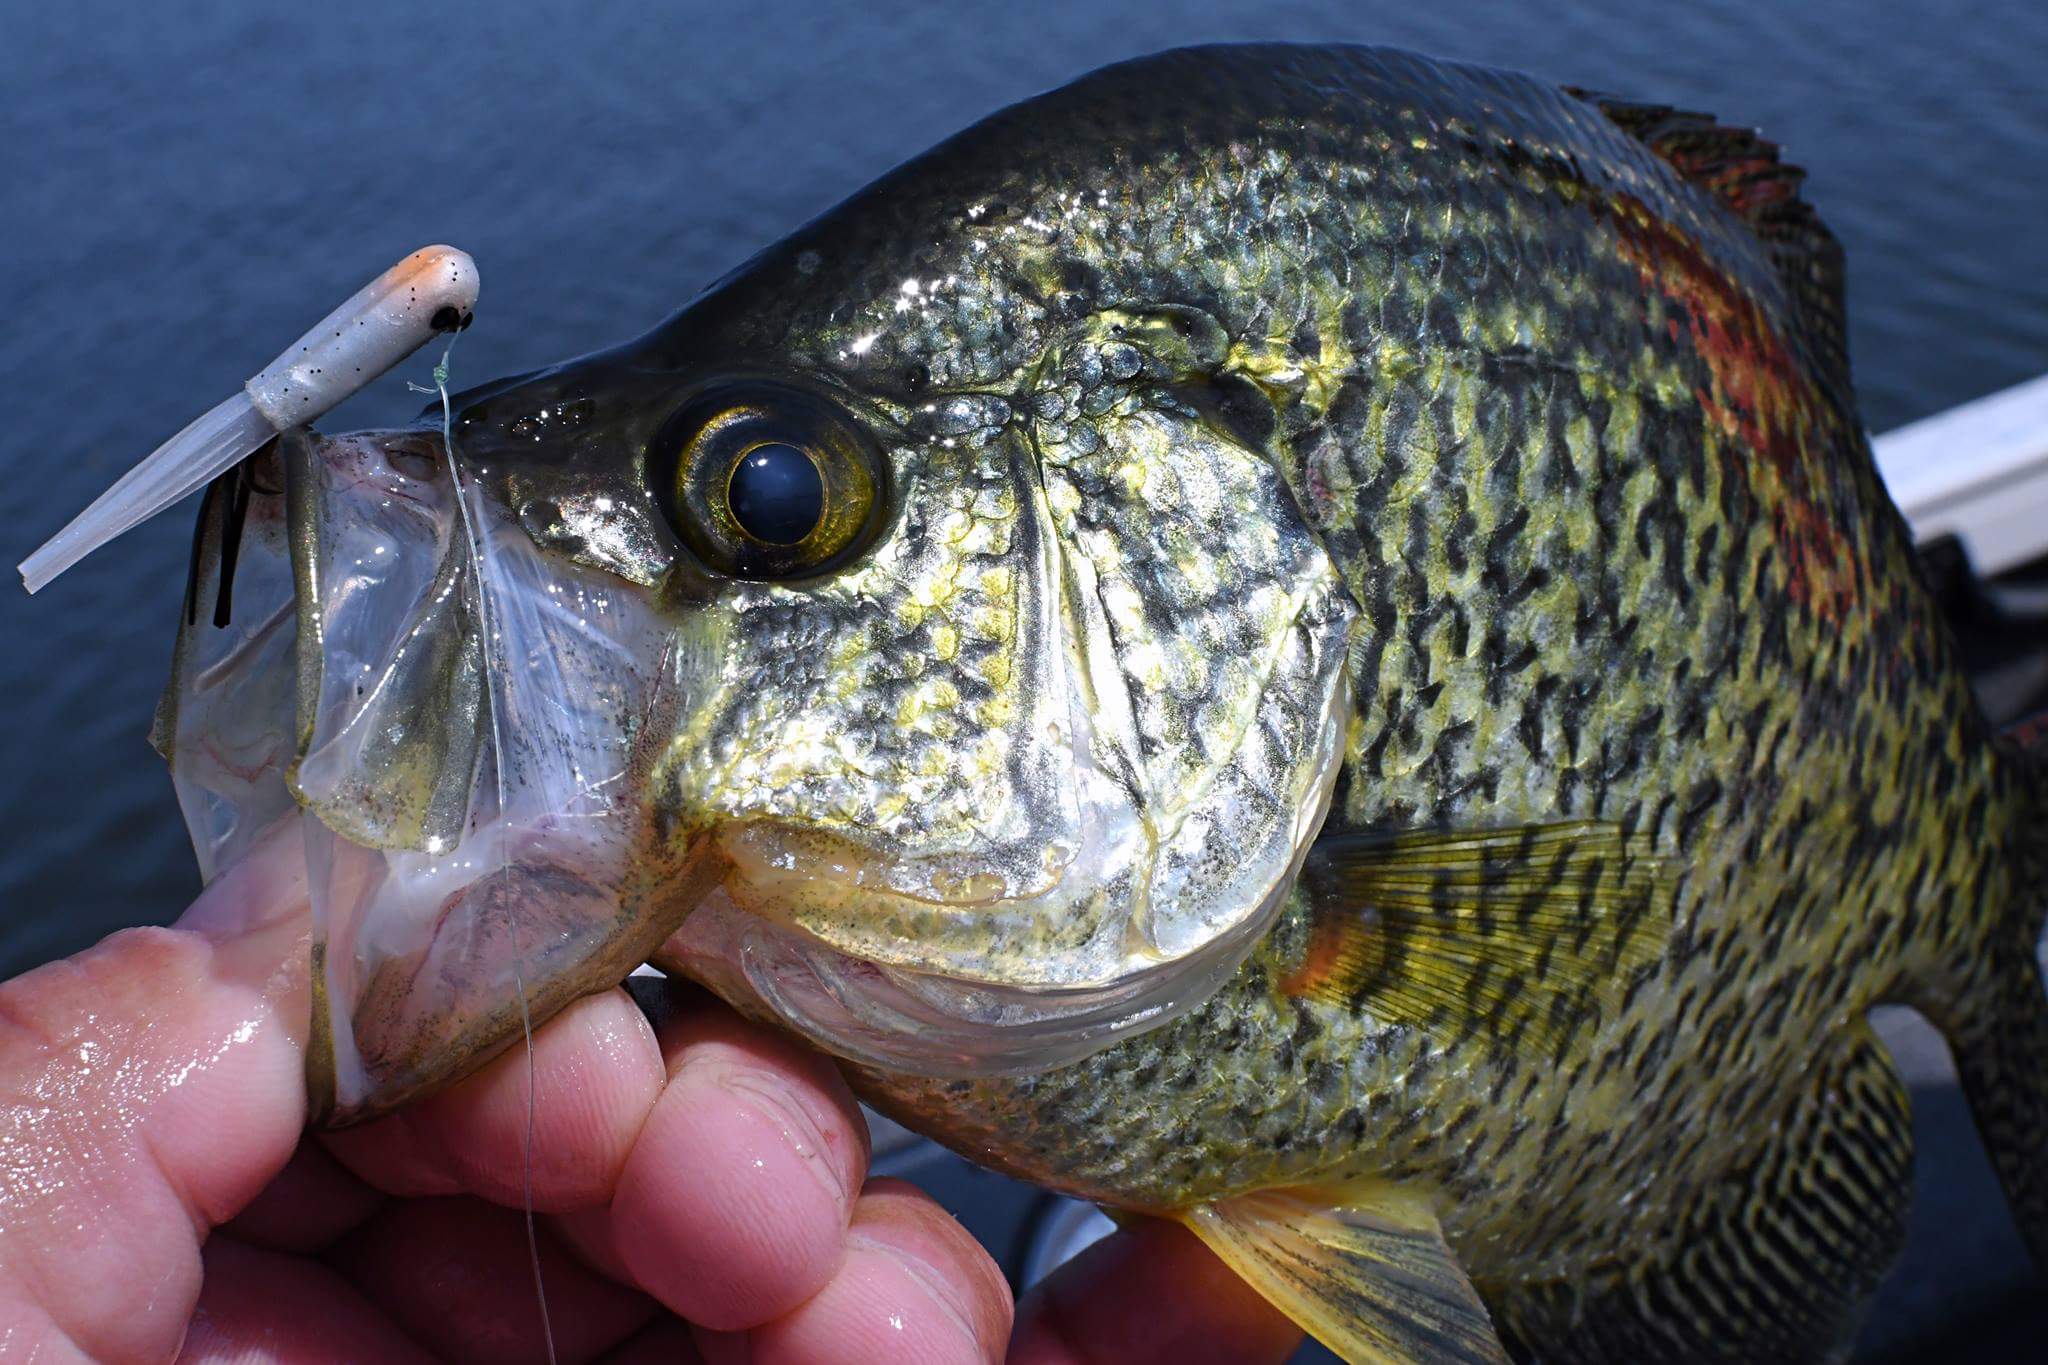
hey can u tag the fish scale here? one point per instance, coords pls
(1353, 684)
(1577, 601)
(1618, 551)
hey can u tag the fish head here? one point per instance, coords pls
(915, 639)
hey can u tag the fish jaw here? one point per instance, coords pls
(928, 1025)
(457, 717)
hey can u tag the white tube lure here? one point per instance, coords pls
(432, 290)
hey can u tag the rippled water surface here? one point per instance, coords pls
(185, 193)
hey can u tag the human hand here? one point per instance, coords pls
(702, 1189)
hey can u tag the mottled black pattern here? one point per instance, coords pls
(1620, 552)
(1577, 436)
(1774, 1262)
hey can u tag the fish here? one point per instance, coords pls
(1303, 640)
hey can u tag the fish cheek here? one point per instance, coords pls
(1139, 787)
(903, 719)
(1215, 633)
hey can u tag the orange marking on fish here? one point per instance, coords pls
(1760, 396)
(1326, 961)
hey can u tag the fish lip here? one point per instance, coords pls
(483, 889)
(388, 758)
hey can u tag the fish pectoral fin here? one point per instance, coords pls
(1364, 1271)
(1527, 936)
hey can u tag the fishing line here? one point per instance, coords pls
(476, 566)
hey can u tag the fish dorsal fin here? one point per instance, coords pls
(1363, 1270)
(1743, 171)
(1525, 936)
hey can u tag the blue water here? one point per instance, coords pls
(183, 192)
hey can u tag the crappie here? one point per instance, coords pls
(1300, 639)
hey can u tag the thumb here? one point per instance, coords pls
(149, 1087)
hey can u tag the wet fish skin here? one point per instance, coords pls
(1268, 425)
(1619, 550)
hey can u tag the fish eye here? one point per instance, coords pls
(766, 480)
(776, 493)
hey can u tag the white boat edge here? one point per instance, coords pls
(1978, 472)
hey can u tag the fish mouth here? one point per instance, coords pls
(326, 657)
(369, 640)
(391, 723)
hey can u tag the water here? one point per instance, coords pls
(185, 191)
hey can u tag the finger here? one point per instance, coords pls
(260, 1305)
(733, 1204)
(913, 1287)
(149, 1087)
(311, 1203)
(456, 1276)
(1151, 1292)
(395, 1155)
(596, 1071)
